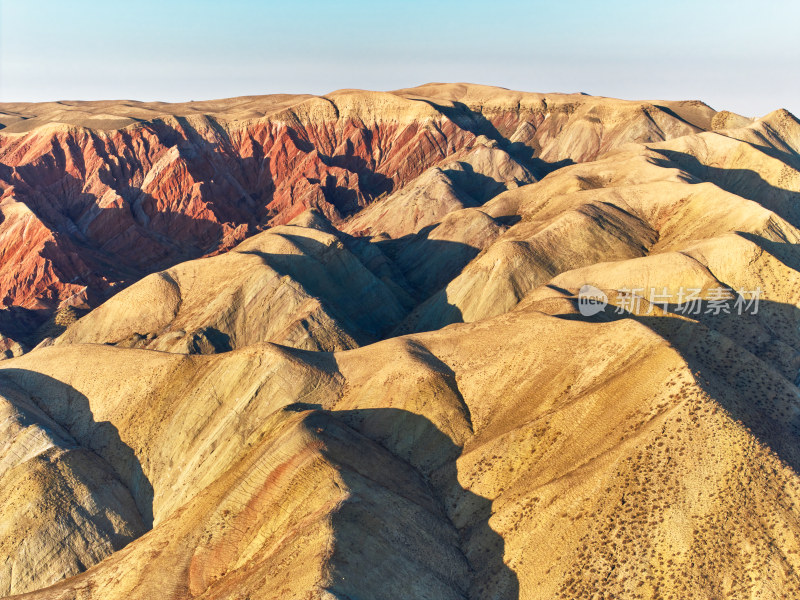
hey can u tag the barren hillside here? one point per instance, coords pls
(354, 355)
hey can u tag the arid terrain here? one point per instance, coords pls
(338, 347)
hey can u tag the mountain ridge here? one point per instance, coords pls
(409, 399)
(180, 187)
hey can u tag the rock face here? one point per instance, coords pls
(481, 175)
(54, 489)
(93, 196)
(293, 285)
(410, 400)
(684, 197)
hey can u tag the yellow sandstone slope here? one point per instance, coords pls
(415, 406)
(526, 456)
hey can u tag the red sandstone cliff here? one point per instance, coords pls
(86, 211)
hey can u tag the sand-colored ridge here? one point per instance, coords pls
(390, 390)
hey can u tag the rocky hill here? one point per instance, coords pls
(89, 205)
(394, 385)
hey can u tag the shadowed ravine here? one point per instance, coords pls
(72, 411)
(486, 576)
(360, 560)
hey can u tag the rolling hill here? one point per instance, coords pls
(337, 347)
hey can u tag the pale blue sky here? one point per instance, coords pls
(736, 55)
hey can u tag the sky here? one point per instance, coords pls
(734, 55)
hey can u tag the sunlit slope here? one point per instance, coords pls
(552, 455)
(410, 402)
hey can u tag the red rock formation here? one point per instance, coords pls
(84, 212)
